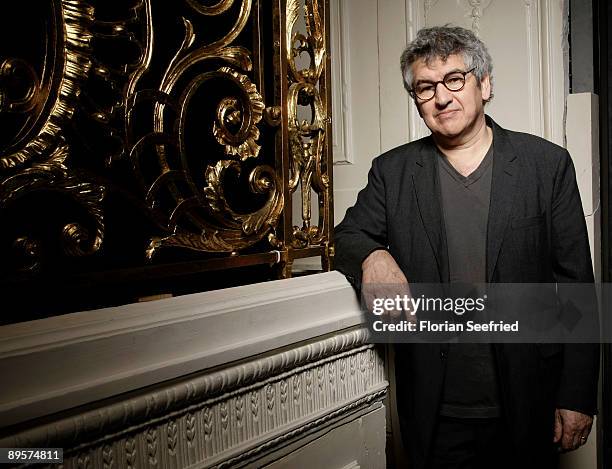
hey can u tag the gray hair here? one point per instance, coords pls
(439, 42)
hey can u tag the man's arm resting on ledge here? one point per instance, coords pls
(382, 278)
(364, 228)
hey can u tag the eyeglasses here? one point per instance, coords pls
(453, 81)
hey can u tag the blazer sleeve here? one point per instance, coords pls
(571, 258)
(364, 227)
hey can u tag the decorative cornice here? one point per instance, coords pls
(212, 387)
(223, 416)
(63, 362)
(379, 395)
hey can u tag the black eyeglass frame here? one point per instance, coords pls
(436, 83)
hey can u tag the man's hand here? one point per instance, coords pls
(571, 429)
(382, 278)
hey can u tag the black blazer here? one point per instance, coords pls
(536, 233)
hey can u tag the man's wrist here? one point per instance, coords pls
(371, 256)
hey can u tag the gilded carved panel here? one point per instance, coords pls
(148, 133)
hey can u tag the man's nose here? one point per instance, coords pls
(443, 96)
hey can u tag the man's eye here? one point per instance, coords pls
(424, 88)
(454, 80)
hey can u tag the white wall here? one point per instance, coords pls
(375, 34)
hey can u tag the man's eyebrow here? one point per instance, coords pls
(455, 70)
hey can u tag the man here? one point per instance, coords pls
(473, 202)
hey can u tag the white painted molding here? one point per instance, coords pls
(534, 71)
(474, 9)
(553, 74)
(417, 12)
(61, 362)
(223, 417)
(342, 125)
(582, 133)
(426, 7)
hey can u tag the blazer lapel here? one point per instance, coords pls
(503, 191)
(427, 188)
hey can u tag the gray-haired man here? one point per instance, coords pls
(475, 203)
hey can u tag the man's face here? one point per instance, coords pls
(451, 114)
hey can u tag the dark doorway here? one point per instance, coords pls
(602, 14)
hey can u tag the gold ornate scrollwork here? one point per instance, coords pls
(77, 239)
(313, 43)
(195, 140)
(222, 7)
(213, 10)
(28, 251)
(307, 136)
(232, 113)
(53, 96)
(262, 180)
(52, 176)
(202, 215)
(13, 70)
(230, 231)
(34, 160)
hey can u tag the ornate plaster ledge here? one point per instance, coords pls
(59, 363)
(223, 417)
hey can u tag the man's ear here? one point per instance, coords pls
(485, 88)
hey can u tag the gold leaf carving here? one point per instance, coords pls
(213, 10)
(52, 175)
(307, 162)
(76, 65)
(219, 8)
(28, 101)
(233, 111)
(231, 230)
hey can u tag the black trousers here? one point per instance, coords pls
(463, 443)
(470, 443)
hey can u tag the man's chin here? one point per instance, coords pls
(449, 126)
(448, 133)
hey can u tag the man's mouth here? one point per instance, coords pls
(446, 113)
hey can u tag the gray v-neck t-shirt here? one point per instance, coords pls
(470, 387)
